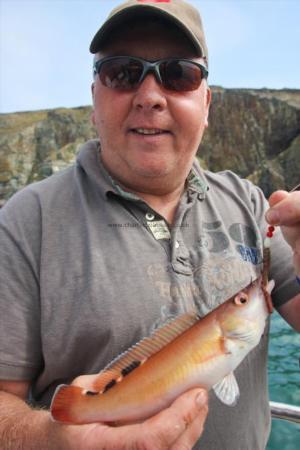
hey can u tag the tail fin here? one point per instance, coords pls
(66, 402)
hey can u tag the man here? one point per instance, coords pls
(95, 257)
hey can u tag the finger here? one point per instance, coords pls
(297, 246)
(164, 429)
(192, 434)
(277, 196)
(126, 437)
(296, 260)
(158, 432)
(285, 211)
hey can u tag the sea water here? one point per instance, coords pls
(284, 381)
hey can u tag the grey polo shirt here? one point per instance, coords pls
(87, 270)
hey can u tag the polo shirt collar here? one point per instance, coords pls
(89, 160)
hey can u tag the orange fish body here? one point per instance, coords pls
(187, 352)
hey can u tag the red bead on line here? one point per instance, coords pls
(270, 231)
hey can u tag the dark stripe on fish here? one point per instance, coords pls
(109, 385)
(130, 368)
(91, 393)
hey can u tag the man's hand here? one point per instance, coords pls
(285, 212)
(175, 428)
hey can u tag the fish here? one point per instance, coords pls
(186, 352)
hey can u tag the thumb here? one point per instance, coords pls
(171, 424)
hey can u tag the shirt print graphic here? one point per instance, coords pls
(223, 262)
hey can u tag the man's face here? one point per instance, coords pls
(150, 163)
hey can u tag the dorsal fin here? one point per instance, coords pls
(140, 352)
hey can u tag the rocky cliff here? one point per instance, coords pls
(255, 133)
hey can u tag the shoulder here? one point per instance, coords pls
(25, 211)
(229, 180)
(236, 189)
(60, 187)
(36, 193)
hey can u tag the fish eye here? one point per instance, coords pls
(241, 299)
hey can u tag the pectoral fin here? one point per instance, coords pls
(249, 335)
(227, 390)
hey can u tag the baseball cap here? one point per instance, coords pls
(178, 12)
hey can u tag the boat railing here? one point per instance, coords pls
(285, 411)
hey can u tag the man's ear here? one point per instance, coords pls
(93, 98)
(208, 100)
(92, 90)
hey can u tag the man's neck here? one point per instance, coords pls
(165, 205)
(162, 196)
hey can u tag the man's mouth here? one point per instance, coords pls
(149, 131)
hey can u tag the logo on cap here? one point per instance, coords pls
(154, 1)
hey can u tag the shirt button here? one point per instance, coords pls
(150, 216)
(176, 244)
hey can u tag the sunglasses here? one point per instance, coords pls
(127, 73)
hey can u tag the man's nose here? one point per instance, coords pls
(149, 95)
